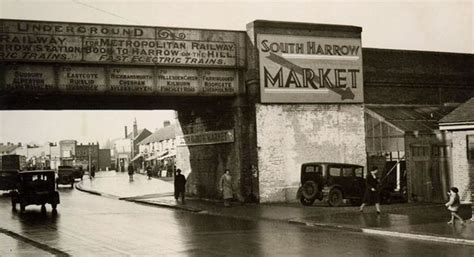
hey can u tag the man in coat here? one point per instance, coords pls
(179, 185)
(226, 187)
(372, 194)
(131, 170)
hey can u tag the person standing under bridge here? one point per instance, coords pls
(131, 170)
(226, 187)
(179, 186)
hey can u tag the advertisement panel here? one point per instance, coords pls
(36, 41)
(30, 78)
(206, 138)
(137, 81)
(177, 81)
(80, 79)
(304, 69)
(117, 80)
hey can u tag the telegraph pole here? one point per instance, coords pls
(89, 153)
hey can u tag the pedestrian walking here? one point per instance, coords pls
(179, 186)
(92, 175)
(372, 194)
(148, 171)
(131, 170)
(453, 205)
(226, 187)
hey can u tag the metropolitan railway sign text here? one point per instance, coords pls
(87, 43)
(78, 58)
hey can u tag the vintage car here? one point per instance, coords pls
(8, 179)
(78, 172)
(35, 187)
(332, 181)
(66, 176)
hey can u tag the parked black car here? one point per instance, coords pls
(331, 181)
(35, 187)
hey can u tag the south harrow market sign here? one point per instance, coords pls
(303, 69)
(97, 58)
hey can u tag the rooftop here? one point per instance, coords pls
(8, 148)
(463, 114)
(167, 132)
(412, 118)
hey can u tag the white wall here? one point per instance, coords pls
(289, 135)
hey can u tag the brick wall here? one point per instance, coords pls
(104, 159)
(463, 170)
(289, 135)
(203, 165)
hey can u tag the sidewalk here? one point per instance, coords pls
(410, 220)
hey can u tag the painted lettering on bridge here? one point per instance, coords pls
(25, 41)
(310, 69)
(309, 47)
(339, 81)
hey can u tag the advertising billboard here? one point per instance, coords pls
(306, 69)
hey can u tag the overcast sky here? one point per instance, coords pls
(84, 126)
(445, 26)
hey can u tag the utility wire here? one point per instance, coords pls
(104, 11)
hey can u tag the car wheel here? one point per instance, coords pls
(335, 197)
(307, 202)
(310, 190)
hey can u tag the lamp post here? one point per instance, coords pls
(49, 145)
(89, 153)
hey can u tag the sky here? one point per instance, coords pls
(427, 25)
(84, 126)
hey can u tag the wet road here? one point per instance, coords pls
(89, 225)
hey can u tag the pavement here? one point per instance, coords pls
(422, 221)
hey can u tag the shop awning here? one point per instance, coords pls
(156, 156)
(137, 157)
(167, 155)
(410, 118)
(386, 126)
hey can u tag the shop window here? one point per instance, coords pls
(470, 147)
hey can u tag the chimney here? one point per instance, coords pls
(126, 133)
(135, 128)
(166, 123)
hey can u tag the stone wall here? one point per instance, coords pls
(203, 165)
(289, 135)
